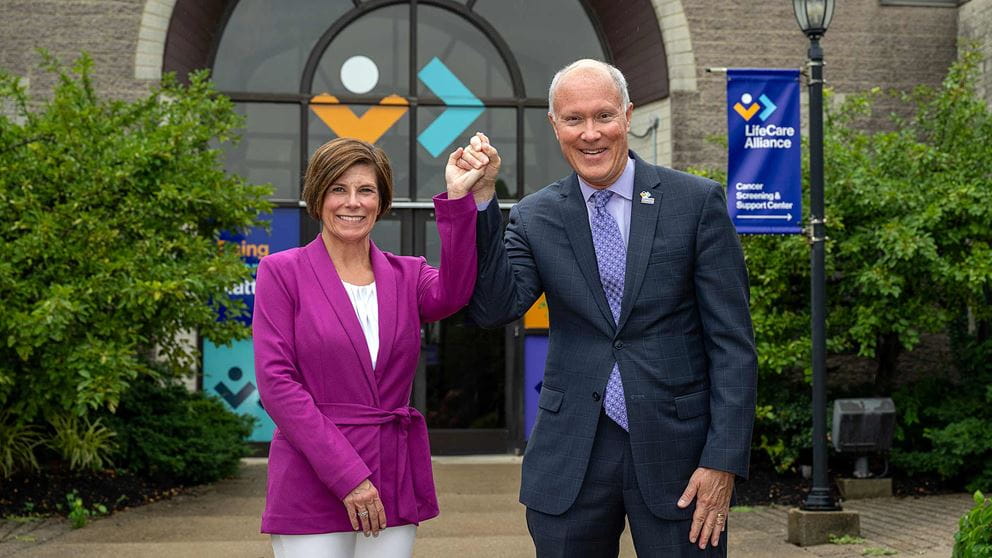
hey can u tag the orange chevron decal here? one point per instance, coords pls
(370, 127)
(747, 113)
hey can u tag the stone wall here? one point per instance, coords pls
(654, 145)
(106, 29)
(975, 24)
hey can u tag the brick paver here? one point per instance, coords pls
(922, 526)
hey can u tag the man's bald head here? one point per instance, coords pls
(590, 65)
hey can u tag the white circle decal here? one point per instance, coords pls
(359, 74)
(745, 98)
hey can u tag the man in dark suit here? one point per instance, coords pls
(648, 398)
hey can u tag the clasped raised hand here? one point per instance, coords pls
(473, 169)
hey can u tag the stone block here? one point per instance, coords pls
(808, 528)
(859, 489)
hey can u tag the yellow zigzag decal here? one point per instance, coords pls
(370, 127)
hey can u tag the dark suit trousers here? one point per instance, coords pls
(591, 528)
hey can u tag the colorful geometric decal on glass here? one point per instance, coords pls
(455, 119)
(369, 127)
(359, 74)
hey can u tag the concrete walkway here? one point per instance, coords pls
(480, 517)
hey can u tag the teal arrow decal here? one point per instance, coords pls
(769, 107)
(463, 109)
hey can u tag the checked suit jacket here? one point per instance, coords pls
(684, 341)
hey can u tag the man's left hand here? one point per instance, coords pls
(712, 490)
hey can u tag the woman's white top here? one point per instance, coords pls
(363, 299)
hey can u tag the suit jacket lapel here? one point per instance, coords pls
(643, 222)
(330, 283)
(385, 287)
(575, 219)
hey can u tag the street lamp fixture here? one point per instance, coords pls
(814, 17)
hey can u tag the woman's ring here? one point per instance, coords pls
(363, 514)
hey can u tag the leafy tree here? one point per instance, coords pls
(109, 218)
(910, 211)
(909, 251)
(910, 247)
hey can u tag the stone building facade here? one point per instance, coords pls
(870, 43)
(107, 29)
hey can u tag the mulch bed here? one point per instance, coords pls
(45, 493)
(766, 486)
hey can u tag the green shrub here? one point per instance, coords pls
(83, 443)
(164, 430)
(945, 427)
(783, 422)
(110, 213)
(974, 536)
(17, 443)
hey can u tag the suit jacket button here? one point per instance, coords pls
(595, 396)
(618, 345)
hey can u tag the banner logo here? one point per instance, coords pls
(359, 75)
(752, 107)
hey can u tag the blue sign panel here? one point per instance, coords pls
(764, 175)
(229, 372)
(284, 234)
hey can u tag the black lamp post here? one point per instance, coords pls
(814, 17)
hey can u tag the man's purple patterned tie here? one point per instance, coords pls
(611, 255)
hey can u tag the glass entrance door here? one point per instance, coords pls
(464, 384)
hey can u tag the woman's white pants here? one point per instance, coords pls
(392, 542)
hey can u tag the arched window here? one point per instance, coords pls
(417, 78)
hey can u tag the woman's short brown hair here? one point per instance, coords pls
(333, 159)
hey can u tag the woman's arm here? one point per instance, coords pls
(443, 291)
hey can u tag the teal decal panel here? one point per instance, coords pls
(229, 374)
(464, 107)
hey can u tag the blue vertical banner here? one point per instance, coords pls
(229, 371)
(764, 163)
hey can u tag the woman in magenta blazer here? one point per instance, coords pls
(337, 339)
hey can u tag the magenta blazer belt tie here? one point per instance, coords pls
(414, 483)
